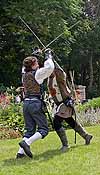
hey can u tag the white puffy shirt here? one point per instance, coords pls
(44, 72)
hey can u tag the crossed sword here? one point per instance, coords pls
(38, 37)
(44, 47)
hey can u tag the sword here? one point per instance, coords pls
(44, 47)
(61, 34)
(32, 32)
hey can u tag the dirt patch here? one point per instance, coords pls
(8, 133)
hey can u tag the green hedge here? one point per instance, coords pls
(94, 103)
(11, 116)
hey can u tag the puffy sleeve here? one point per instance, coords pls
(44, 72)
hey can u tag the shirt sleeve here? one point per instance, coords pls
(45, 71)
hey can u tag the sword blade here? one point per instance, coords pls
(61, 34)
(54, 40)
(32, 32)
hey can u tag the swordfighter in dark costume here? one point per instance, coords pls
(61, 95)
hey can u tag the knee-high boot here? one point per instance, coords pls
(63, 138)
(81, 131)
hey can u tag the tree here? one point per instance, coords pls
(46, 18)
(86, 50)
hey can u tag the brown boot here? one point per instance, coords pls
(63, 138)
(81, 131)
(88, 139)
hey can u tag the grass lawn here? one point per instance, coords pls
(48, 160)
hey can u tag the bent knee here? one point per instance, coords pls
(43, 132)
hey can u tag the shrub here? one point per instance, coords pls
(11, 116)
(12, 121)
(94, 103)
(89, 112)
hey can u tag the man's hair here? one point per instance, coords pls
(28, 62)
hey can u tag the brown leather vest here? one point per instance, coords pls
(31, 87)
(61, 83)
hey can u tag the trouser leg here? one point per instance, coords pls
(79, 129)
(37, 117)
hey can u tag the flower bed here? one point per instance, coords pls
(12, 123)
(9, 133)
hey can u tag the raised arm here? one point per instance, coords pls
(46, 71)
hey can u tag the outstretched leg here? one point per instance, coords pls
(79, 129)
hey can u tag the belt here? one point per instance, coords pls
(27, 99)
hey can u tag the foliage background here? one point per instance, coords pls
(78, 49)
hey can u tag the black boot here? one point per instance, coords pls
(81, 131)
(62, 135)
(20, 156)
(26, 148)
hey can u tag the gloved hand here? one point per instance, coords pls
(48, 53)
(36, 52)
(69, 102)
